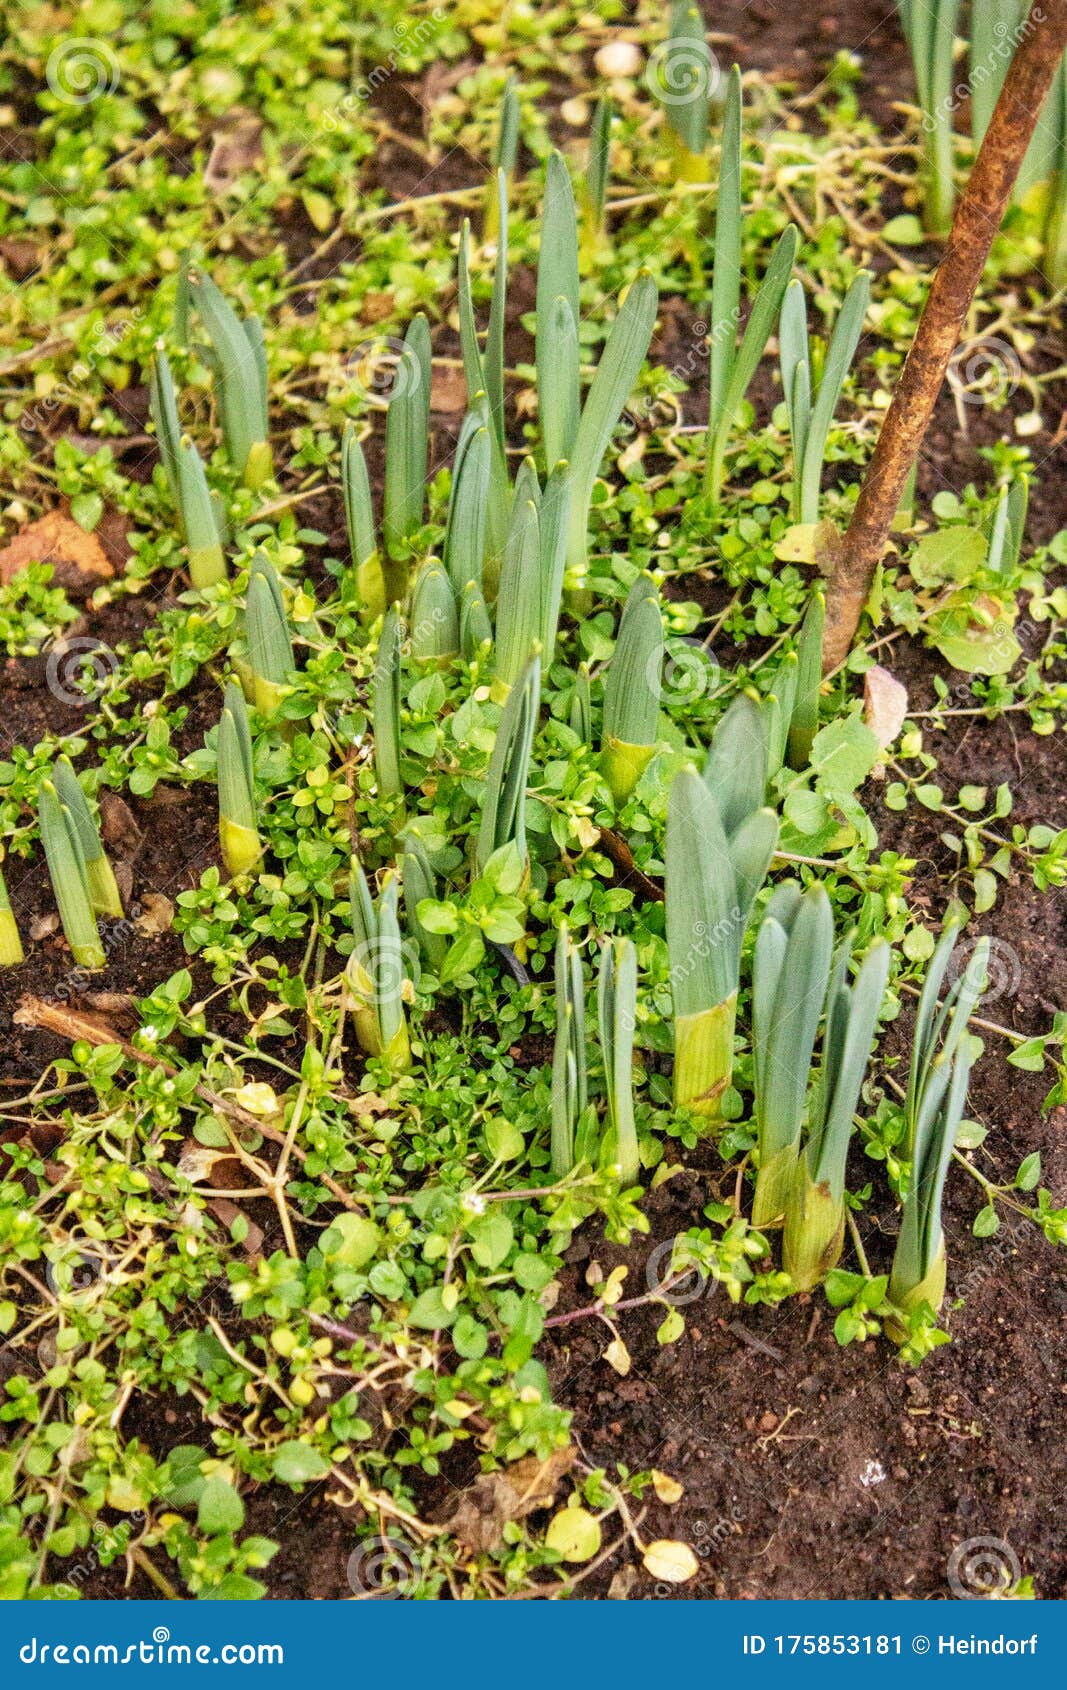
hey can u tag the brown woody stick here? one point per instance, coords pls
(978, 217)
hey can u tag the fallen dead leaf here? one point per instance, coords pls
(157, 914)
(667, 1489)
(78, 559)
(377, 306)
(235, 149)
(618, 1356)
(885, 705)
(21, 257)
(448, 388)
(43, 925)
(483, 1510)
(622, 1583)
(117, 824)
(226, 1213)
(119, 1005)
(124, 881)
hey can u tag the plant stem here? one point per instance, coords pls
(978, 217)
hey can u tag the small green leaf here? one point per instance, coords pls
(470, 1338)
(464, 955)
(671, 1329)
(905, 230)
(492, 1236)
(87, 509)
(220, 1509)
(429, 1311)
(986, 1222)
(1029, 1171)
(296, 1463)
(574, 1534)
(504, 1140)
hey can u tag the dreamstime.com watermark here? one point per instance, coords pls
(101, 343)
(409, 37)
(991, 67)
(158, 1651)
(983, 1568)
(78, 669)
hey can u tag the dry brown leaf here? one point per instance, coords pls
(226, 1213)
(377, 306)
(483, 1510)
(21, 257)
(157, 914)
(622, 1583)
(116, 1004)
(235, 148)
(448, 388)
(78, 559)
(117, 825)
(885, 705)
(124, 881)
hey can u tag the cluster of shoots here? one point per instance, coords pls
(934, 1110)
(503, 820)
(732, 365)
(574, 1125)
(805, 1113)
(720, 840)
(375, 975)
(270, 645)
(791, 707)
(235, 352)
(11, 952)
(82, 877)
(802, 1131)
(812, 393)
(996, 27)
(570, 1063)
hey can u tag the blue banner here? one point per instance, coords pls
(516, 1644)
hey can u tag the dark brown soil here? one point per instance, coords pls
(808, 1470)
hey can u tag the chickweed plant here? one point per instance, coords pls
(482, 771)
